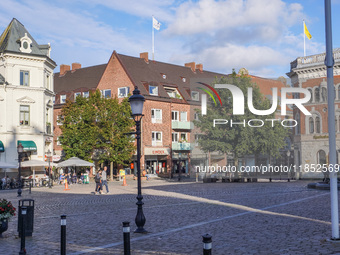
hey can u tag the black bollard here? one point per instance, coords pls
(126, 235)
(63, 235)
(207, 244)
(23, 234)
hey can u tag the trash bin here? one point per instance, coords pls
(29, 203)
(86, 179)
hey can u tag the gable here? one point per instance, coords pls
(26, 100)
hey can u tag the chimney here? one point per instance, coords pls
(144, 55)
(199, 67)
(75, 66)
(191, 65)
(64, 69)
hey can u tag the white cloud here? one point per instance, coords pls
(270, 18)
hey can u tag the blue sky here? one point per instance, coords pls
(263, 36)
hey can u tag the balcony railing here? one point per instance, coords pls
(182, 124)
(181, 146)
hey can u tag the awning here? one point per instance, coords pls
(28, 145)
(2, 148)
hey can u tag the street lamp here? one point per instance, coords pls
(49, 169)
(136, 102)
(20, 149)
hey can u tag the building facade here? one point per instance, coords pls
(311, 144)
(26, 95)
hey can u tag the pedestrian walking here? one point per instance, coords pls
(98, 180)
(104, 180)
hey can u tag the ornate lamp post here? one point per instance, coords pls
(136, 102)
(20, 150)
(49, 154)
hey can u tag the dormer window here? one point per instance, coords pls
(153, 90)
(25, 44)
(183, 79)
(164, 76)
(173, 92)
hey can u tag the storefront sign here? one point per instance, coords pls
(156, 151)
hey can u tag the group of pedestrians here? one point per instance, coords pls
(101, 180)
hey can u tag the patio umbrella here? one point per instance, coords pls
(74, 161)
(6, 165)
(33, 162)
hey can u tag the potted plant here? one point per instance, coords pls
(7, 210)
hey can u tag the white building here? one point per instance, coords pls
(26, 95)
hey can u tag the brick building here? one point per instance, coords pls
(172, 94)
(311, 144)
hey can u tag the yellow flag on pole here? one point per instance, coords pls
(309, 36)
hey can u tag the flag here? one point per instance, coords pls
(156, 24)
(309, 36)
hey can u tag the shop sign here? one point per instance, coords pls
(156, 151)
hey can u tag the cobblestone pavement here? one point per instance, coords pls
(243, 218)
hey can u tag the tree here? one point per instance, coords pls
(240, 139)
(95, 129)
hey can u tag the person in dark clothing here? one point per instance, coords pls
(98, 180)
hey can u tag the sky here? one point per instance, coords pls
(263, 36)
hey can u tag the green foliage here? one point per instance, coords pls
(93, 129)
(239, 139)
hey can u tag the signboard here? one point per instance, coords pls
(55, 158)
(156, 151)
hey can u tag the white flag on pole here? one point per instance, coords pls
(156, 24)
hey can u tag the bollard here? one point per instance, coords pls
(126, 235)
(63, 235)
(23, 235)
(207, 244)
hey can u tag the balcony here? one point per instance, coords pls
(182, 125)
(181, 146)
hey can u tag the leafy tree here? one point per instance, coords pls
(239, 139)
(94, 129)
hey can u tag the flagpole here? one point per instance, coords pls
(304, 39)
(153, 40)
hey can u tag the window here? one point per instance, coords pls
(197, 137)
(106, 93)
(174, 115)
(153, 90)
(164, 76)
(24, 115)
(317, 95)
(173, 92)
(60, 120)
(311, 125)
(174, 137)
(123, 92)
(184, 137)
(58, 141)
(183, 116)
(62, 99)
(86, 94)
(195, 96)
(318, 126)
(196, 116)
(53, 100)
(76, 94)
(156, 116)
(324, 94)
(156, 138)
(24, 78)
(311, 95)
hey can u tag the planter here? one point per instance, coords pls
(3, 226)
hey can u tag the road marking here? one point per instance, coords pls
(249, 211)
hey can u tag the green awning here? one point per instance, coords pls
(28, 145)
(2, 148)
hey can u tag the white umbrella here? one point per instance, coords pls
(33, 162)
(6, 165)
(74, 161)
